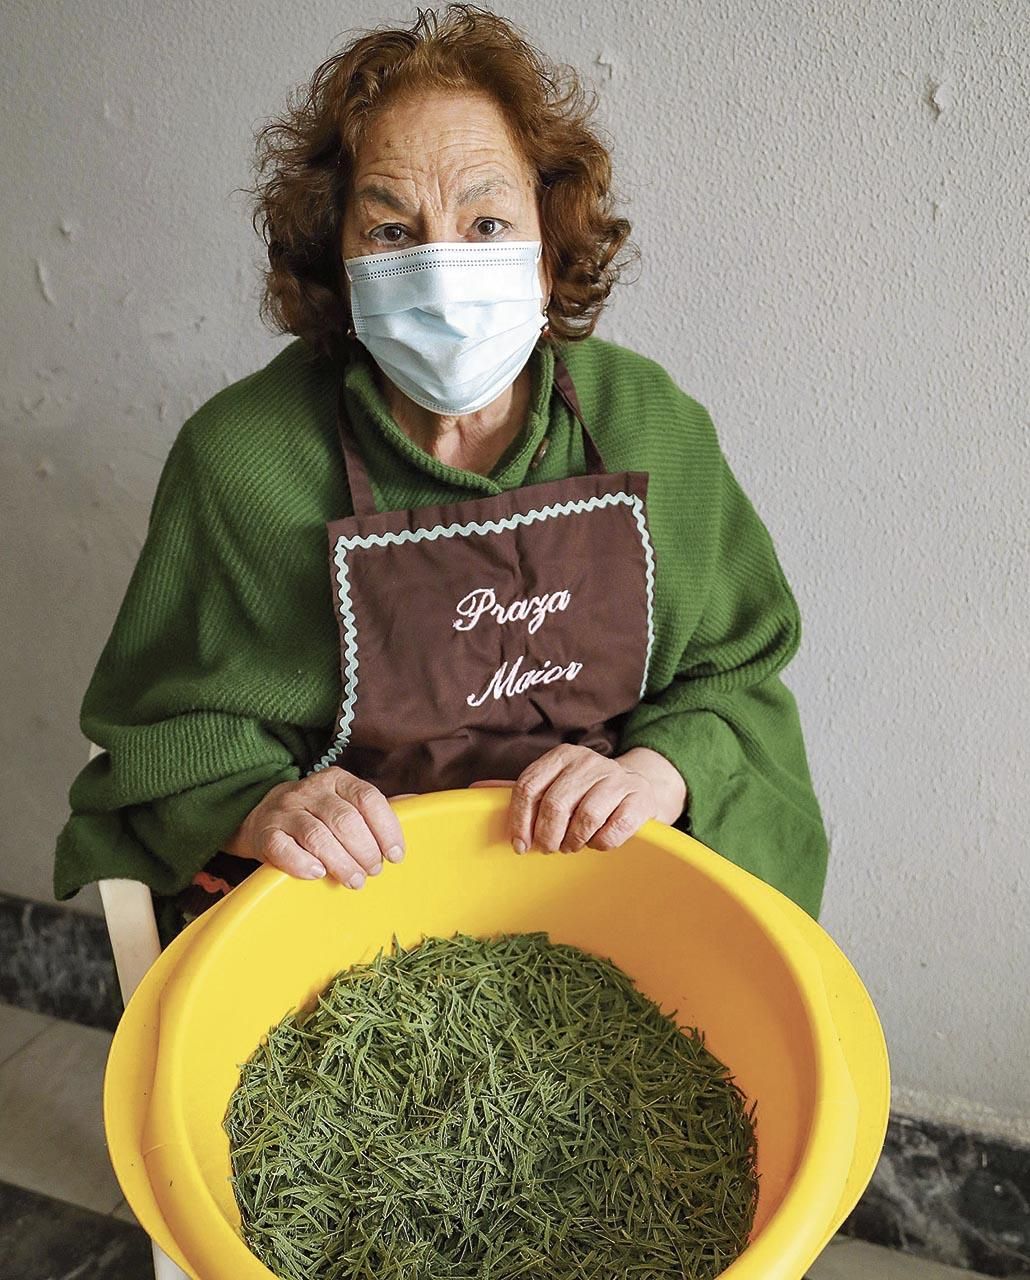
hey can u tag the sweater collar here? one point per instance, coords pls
(374, 425)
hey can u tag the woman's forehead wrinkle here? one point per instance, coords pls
(452, 131)
(424, 155)
(472, 188)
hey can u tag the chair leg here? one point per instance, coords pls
(165, 1268)
(132, 928)
(129, 912)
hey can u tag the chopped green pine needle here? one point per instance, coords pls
(490, 1109)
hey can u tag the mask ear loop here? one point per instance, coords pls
(546, 331)
(350, 331)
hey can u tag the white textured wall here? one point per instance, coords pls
(832, 203)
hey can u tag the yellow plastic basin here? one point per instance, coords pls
(778, 1002)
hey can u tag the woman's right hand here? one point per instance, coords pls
(328, 822)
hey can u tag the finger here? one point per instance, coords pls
(379, 818)
(558, 803)
(622, 825)
(281, 850)
(331, 844)
(596, 806)
(493, 782)
(530, 785)
(559, 800)
(350, 827)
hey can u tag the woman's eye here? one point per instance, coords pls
(490, 226)
(395, 232)
(387, 233)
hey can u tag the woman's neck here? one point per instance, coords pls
(469, 441)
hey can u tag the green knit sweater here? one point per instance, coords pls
(221, 677)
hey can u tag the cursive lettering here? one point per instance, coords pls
(483, 601)
(508, 682)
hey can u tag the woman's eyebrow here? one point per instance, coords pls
(375, 192)
(482, 188)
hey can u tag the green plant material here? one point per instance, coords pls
(490, 1109)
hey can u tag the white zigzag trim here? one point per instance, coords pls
(579, 506)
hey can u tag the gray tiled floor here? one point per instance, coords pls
(46, 1239)
(52, 1140)
(52, 1137)
(124, 1214)
(17, 1028)
(856, 1260)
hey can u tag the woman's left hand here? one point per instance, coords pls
(573, 796)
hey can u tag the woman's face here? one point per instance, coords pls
(440, 167)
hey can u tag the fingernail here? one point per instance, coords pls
(374, 871)
(356, 880)
(395, 853)
(519, 845)
(315, 872)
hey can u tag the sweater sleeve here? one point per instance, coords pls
(727, 721)
(186, 751)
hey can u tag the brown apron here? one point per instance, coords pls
(476, 636)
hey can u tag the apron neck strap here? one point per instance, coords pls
(357, 473)
(565, 387)
(360, 486)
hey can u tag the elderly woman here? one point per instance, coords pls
(541, 570)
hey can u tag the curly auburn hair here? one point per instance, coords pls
(306, 157)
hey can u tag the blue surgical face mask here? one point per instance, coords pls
(452, 325)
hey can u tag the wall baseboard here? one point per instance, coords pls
(949, 1195)
(940, 1192)
(57, 962)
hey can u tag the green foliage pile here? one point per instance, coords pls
(490, 1109)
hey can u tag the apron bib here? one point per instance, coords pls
(475, 636)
